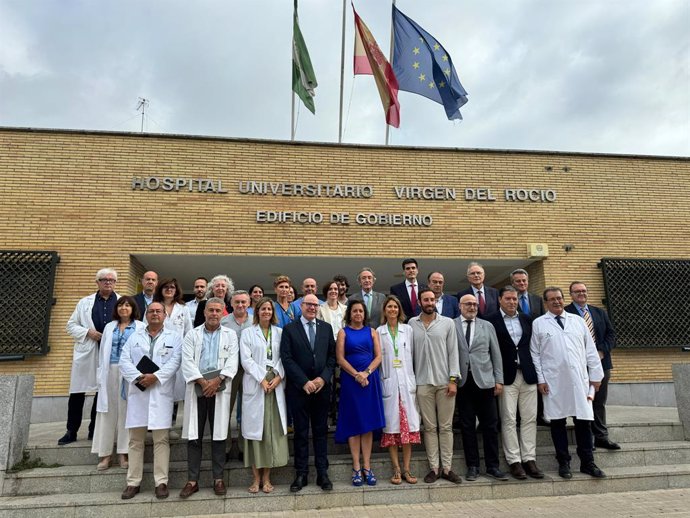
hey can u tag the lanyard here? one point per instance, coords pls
(269, 342)
(394, 337)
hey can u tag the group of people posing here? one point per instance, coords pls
(380, 365)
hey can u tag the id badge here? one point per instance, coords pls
(397, 363)
(224, 353)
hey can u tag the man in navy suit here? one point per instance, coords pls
(446, 305)
(487, 297)
(408, 291)
(149, 281)
(307, 349)
(605, 339)
(514, 332)
(528, 303)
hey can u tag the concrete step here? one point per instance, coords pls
(106, 504)
(79, 453)
(86, 479)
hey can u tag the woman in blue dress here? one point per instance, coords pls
(360, 411)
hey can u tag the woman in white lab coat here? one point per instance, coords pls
(112, 403)
(399, 389)
(169, 293)
(264, 414)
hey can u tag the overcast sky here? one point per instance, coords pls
(609, 76)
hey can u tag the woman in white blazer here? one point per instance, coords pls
(399, 389)
(264, 414)
(112, 403)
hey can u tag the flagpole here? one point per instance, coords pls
(390, 60)
(292, 119)
(342, 77)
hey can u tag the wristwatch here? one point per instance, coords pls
(368, 371)
(454, 379)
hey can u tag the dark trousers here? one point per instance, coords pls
(583, 437)
(599, 429)
(474, 403)
(206, 409)
(306, 409)
(75, 410)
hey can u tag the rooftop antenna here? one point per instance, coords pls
(143, 103)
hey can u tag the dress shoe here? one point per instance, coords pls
(68, 438)
(472, 473)
(324, 482)
(451, 476)
(517, 471)
(431, 477)
(564, 470)
(219, 487)
(591, 469)
(189, 489)
(129, 492)
(542, 422)
(496, 473)
(162, 491)
(299, 482)
(606, 444)
(532, 470)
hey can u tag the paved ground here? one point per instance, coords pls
(670, 503)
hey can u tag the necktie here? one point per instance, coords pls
(367, 299)
(524, 305)
(482, 303)
(468, 332)
(560, 323)
(590, 324)
(413, 299)
(312, 334)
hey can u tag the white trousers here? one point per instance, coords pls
(522, 396)
(110, 425)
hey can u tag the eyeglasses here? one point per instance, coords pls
(154, 311)
(108, 281)
(579, 292)
(310, 304)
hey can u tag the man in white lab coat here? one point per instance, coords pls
(151, 408)
(86, 326)
(568, 373)
(210, 356)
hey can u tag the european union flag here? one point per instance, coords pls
(423, 66)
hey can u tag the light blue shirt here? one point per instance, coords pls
(119, 340)
(513, 326)
(208, 360)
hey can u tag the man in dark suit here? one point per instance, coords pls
(149, 281)
(408, 291)
(446, 305)
(372, 299)
(514, 332)
(487, 297)
(307, 349)
(528, 303)
(604, 337)
(481, 382)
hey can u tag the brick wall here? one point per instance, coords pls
(71, 192)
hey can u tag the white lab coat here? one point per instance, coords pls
(228, 360)
(253, 357)
(178, 321)
(104, 362)
(152, 407)
(398, 382)
(85, 355)
(566, 360)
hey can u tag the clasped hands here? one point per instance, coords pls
(314, 386)
(209, 387)
(270, 386)
(362, 378)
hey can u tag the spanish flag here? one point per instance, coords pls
(370, 60)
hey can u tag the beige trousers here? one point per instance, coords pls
(436, 409)
(161, 456)
(519, 395)
(110, 425)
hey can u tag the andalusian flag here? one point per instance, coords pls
(370, 60)
(303, 77)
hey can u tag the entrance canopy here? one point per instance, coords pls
(248, 270)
